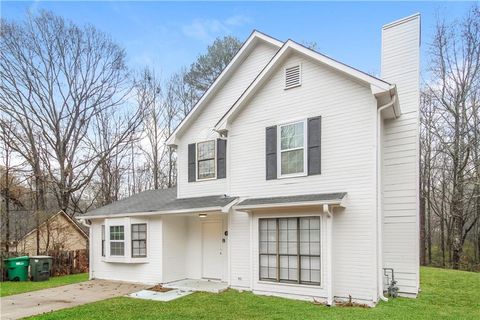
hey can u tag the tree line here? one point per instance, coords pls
(450, 146)
(80, 129)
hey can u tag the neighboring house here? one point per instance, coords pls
(297, 177)
(58, 231)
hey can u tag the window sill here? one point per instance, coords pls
(205, 179)
(312, 286)
(294, 175)
(127, 260)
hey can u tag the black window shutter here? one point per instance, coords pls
(221, 158)
(271, 152)
(192, 162)
(314, 145)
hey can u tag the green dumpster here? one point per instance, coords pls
(40, 267)
(17, 268)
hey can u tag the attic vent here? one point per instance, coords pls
(292, 76)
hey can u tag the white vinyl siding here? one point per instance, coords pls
(201, 128)
(400, 155)
(348, 112)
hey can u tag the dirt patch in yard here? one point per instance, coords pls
(159, 288)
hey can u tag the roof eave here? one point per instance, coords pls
(376, 85)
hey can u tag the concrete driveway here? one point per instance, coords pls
(38, 302)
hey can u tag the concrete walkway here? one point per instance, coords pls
(38, 302)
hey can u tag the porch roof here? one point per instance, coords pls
(338, 198)
(162, 201)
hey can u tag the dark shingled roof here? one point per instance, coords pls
(159, 200)
(293, 199)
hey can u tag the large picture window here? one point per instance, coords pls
(139, 240)
(117, 240)
(206, 160)
(289, 250)
(292, 148)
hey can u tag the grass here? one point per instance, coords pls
(446, 294)
(8, 288)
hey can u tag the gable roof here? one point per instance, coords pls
(254, 38)
(376, 85)
(22, 223)
(161, 201)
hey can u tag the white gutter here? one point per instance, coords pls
(336, 202)
(379, 201)
(154, 213)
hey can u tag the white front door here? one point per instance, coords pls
(212, 257)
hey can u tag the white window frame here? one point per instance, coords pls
(126, 222)
(285, 76)
(117, 241)
(214, 161)
(104, 240)
(279, 150)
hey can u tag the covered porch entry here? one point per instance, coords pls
(195, 251)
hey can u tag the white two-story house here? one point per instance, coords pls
(297, 177)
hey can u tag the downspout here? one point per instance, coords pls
(379, 201)
(327, 210)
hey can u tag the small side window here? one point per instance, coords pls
(103, 240)
(117, 240)
(139, 240)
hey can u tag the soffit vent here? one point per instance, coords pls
(293, 76)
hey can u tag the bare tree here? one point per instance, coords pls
(56, 78)
(453, 94)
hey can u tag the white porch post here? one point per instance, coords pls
(329, 284)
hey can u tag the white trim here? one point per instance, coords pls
(110, 255)
(339, 203)
(237, 59)
(290, 46)
(153, 213)
(127, 258)
(279, 150)
(281, 288)
(402, 20)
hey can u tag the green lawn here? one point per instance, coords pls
(9, 288)
(446, 294)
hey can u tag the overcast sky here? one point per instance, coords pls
(169, 35)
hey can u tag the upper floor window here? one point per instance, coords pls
(117, 240)
(206, 159)
(292, 141)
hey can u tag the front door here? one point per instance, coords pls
(212, 250)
